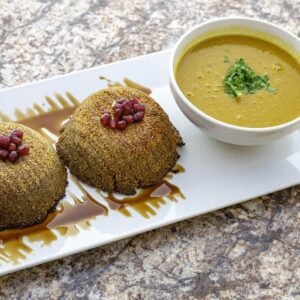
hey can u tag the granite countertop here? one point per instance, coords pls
(248, 251)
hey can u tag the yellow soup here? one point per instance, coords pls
(201, 71)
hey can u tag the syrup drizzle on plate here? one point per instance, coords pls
(67, 220)
(126, 82)
(147, 201)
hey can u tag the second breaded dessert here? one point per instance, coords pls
(114, 160)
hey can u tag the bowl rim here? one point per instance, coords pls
(202, 114)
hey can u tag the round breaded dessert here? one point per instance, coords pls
(113, 160)
(31, 182)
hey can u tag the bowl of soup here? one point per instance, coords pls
(238, 79)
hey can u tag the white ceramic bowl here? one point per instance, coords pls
(215, 128)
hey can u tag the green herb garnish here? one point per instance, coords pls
(241, 79)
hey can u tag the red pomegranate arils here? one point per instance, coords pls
(134, 101)
(118, 114)
(128, 119)
(105, 119)
(23, 150)
(13, 156)
(122, 125)
(4, 141)
(121, 101)
(117, 106)
(139, 116)
(127, 108)
(138, 107)
(17, 141)
(113, 124)
(124, 113)
(11, 147)
(127, 105)
(3, 154)
(18, 133)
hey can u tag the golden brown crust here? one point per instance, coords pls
(115, 160)
(31, 187)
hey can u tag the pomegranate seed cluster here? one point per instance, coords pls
(125, 112)
(12, 147)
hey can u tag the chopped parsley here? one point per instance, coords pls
(241, 79)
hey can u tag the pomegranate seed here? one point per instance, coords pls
(17, 141)
(18, 133)
(4, 141)
(12, 147)
(139, 116)
(138, 107)
(121, 101)
(127, 108)
(118, 114)
(105, 119)
(117, 106)
(125, 113)
(134, 101)
(13, 156)
(113, 124)
(127, 105)
(3, 154)
(128, 119)
(23, 150)
(122, 125)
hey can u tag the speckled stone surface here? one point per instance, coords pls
(249, 251)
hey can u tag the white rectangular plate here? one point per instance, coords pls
(217, 175)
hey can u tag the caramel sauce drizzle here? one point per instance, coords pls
(126, 82)
(38, 118)
(69, 218)
(13, 249)
(147, 201)
(53, 118)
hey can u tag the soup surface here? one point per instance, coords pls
(201, 71)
